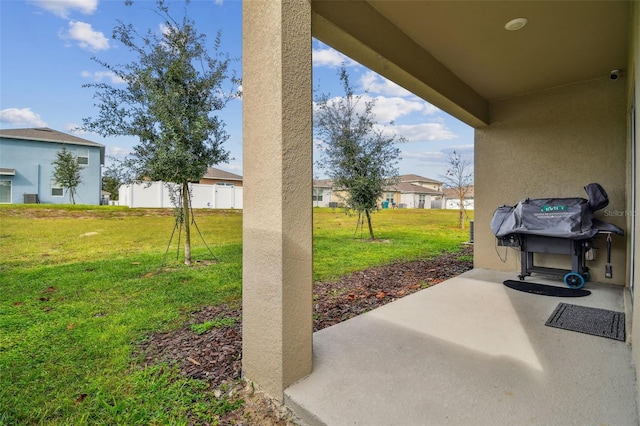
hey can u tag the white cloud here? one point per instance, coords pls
(438, 157)
(74, 128)
(424, 132)
(374, 83)
(237, 93)
(330, 58)
(388, 109)
(21, 117)
(466, 151)
(425, 156)
(63, 8)
(85, 36)
(117, 152)
(164, 29)
(98, 76)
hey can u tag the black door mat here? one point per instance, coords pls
(546, 290)
(594, 321)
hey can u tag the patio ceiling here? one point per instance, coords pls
(459, 56)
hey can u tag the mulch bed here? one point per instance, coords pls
(216, 354)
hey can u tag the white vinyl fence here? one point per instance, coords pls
(156, 195)
(455, 204)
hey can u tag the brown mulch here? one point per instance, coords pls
(365, 290)
(215, 355)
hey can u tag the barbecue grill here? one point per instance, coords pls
(556, 226)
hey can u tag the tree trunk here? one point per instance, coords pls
(187, 224)
(461, 218)
(72, 196)
(369, 223)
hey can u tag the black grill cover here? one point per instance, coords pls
(554, 217)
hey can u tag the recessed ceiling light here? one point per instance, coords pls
(516, 24)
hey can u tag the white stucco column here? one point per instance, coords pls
(277, 223)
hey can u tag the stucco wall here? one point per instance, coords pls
(412, 201)
(552, 144)
(277, 277)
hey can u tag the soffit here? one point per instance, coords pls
(458, 56)
(563, 42)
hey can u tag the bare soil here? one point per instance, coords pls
(215, 355)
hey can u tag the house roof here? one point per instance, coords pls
(323, 183)
(404, 187)
(410, 188)
(45, 134)
(213, 173)
(452, 192)
(417, 178)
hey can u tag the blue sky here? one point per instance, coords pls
(46, 48)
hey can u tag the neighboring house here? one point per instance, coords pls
(220, 177)
(422, 182)
(323, 194)
(26, 172)
(106, 197)
(413, 191)
(452, 200)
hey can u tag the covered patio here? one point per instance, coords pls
(551, 91)
(469, 351)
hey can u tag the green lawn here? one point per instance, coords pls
(80, 286)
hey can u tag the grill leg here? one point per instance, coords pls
(526, 261)
(576, 258)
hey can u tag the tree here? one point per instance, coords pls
(459, 178)
(66, 172)
(171, 91)
(357, 153)
(113, 176)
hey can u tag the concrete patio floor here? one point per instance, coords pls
(469, 351)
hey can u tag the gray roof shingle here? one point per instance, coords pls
(45, 134)
(213, 173)
(410, 188)
(417, 178)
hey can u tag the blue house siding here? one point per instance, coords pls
(30, 161)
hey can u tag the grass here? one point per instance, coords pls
(80, 286)
(403, 234)
(215, 323)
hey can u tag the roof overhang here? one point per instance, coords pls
(221, 178)
(459, 56)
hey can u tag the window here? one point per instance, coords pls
(318, 194)
(83, 156)
(5, 192)
(56, 189)
(224, 184)
(389, 197)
